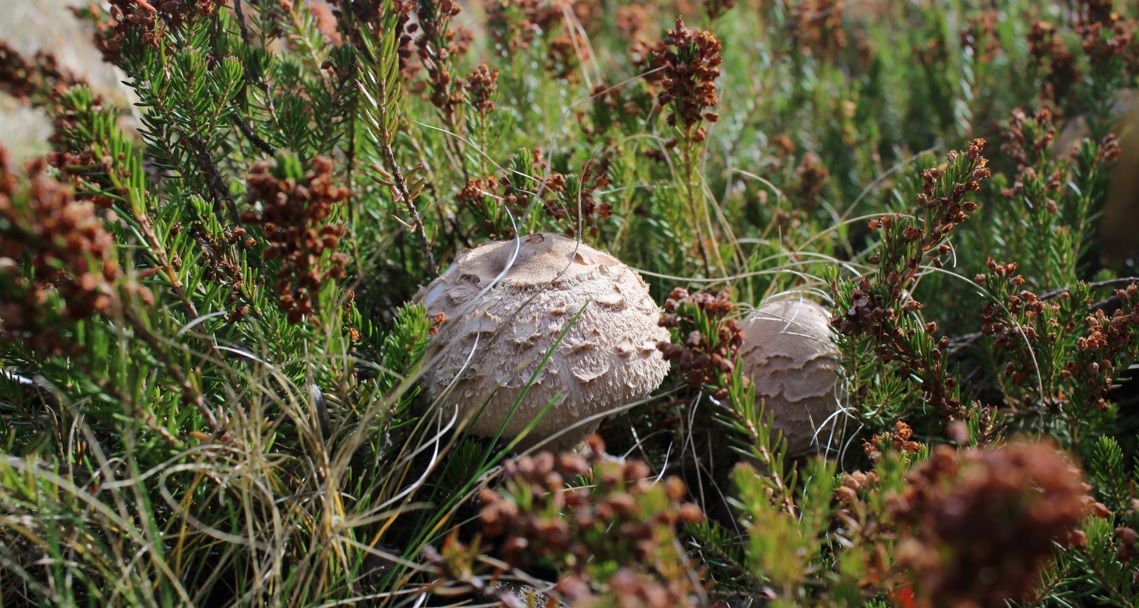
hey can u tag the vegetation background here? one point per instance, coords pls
(208, 358)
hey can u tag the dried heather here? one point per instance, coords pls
(35, 80)
(141, 22)
(816, 27)
(68, 251)
(621, 518)
(686, 66)
(710, 338)
(294, 218)
(978, 526)
(480, 87)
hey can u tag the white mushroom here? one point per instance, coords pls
(789, 353)
(506, 306)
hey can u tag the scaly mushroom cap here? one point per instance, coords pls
(789, 353)
(607, 358)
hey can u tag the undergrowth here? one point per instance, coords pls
(209, 358)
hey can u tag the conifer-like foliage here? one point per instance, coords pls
(209, 355)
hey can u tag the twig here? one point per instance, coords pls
(497, 595)
(240, 13)
(213, 177)
(1119, 282)
(253, 137)
(205, 163)
(250, 75)
(402, 192)
(961, 342)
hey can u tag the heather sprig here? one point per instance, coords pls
(595, 520)
(877, 313)
(297, 215)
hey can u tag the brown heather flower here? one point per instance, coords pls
(617, 107)
(1109, 149)
(1052, 58)
(67, 250)
(816, 27)
(361, 10)
(899, 440)
(480, 86)
(631, 589)
(1128, 540)
(590, 14)
(632, 19)
(515, 24)
(1017, 323)
(702, 360)
(475, 191)
(979, 38)
(686, 65)
(325, 17)
(294, 220)
(810, 180)
(715, 8)
(37, 80)
(566, 202)
(479, 198)
(42, 82)
(783, 145)
(1027, 140)
(565, 53)
(592, 211)
(871, 314)
(877, 305)
(853, 485)
(856, 522)
(1106, 35)
(942, 206)
(143, 19)
(977, 526)
(435, 45)
(76, 157)
(220, 265)
(519, 191)
(1107, 338)
(621, 516)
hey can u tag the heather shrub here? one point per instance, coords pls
(211, 354)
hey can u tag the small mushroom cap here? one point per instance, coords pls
(789, 353)
(508, 306)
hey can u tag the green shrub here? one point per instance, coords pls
(209, 350)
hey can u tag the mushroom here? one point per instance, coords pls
(790, 356)
(506, 304)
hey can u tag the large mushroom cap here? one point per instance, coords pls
(789, 353)
(508, 305)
